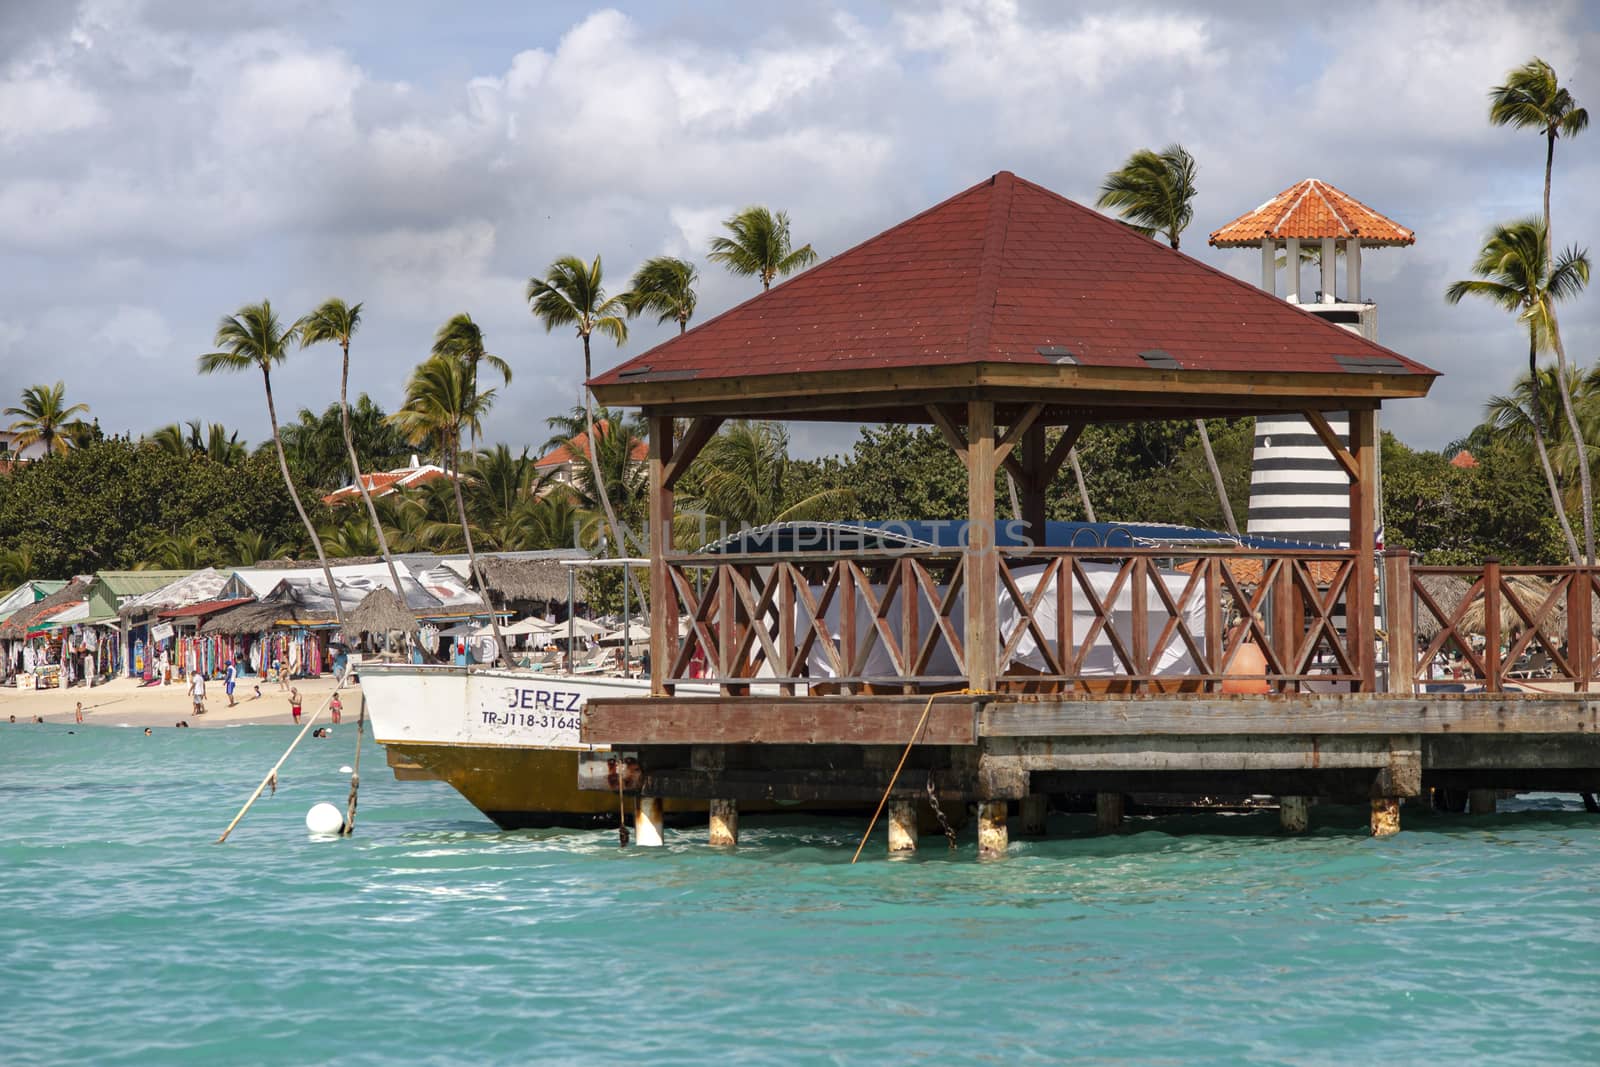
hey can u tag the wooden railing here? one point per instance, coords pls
(1068, 619)
(1502, 627)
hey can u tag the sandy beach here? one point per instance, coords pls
(126, 702)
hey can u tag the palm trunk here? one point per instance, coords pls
(1216, 476)
(472, 565)
(355, 468)
(294, 495)
(1549, 165)
(1083, 487)
(1011, 488)
(1578, 443)
(1536, 418)
(594, 458)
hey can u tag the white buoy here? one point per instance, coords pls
(324, 818)
(347, 769)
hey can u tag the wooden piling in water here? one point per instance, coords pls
(1107, 812)
(1385, 816)
(647, 825)
(1294, 814)
(724, 823)
(902, 825)
(1481, 801)
(992, 839)
(1034, 807)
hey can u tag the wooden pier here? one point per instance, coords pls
(1021, 671)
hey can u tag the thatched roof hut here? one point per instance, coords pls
(15, 628)
(524, 579)
(286, 609)
(381, 612)
(1447, 591)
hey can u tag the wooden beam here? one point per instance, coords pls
(769, 721)
(1033, 482)
(1128, 754)
(980, 560)
(663, 613)
(1059, 452)
(1294, 714)
(947, 429)
(700, 431)
(1005, 443)
(1331, 441)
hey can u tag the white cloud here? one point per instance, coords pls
(44, 105)
(140, 330)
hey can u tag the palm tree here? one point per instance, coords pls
(250, 338)
(441, 401)
(1154, 193)
(760, 246)
(573, 294)
(251, 547)
(611, 467)
(338, 321)
(462, 339)
(740, 475)
(1513, 274)
(1520, 417)
(666, 286)
(43, 417)
(175, 551)
(1533, 97)
(16, 566)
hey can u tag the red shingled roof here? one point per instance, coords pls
(1310, 211)
(995, 274)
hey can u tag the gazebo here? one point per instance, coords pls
(994, 316)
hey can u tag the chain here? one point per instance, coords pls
(944, 823)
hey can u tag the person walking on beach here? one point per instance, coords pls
(197, 691)
(229, 679)
(294, 704)
(79, 713)
(336, 709)
(166, 668)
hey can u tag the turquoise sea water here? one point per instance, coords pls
(127, 937)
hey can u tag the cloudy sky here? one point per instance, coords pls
(163, 162)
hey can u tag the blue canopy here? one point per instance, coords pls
(788, 538)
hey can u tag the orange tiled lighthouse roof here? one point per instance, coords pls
(1310, 211)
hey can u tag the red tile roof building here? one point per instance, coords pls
(382, 483)
(1004, 275)
(558, 462)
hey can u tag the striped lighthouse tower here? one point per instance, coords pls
(1297, 489)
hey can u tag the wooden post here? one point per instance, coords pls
(1360, 606)
(1491, 623)
(1385, 816)
(992, 840)
(902, 824)
(1107, 813)
(647, 826)
(1035, 806)
(1481, 801)
(724, 823)
(663, 617)
(1580, 627)
(1036, 482)
(1401, 679)
(1294, 814)
(982, 562)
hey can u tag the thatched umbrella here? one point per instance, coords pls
(1447, 591)
(1531, 592)
(524, 579)
(381, 612)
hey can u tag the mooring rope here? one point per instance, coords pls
(927, 708)
(355, 774)
(272, 775)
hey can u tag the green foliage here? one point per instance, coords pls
(1153, 191)
(663, 285)
(314, 444)
(117, 504)
(1533, 97)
